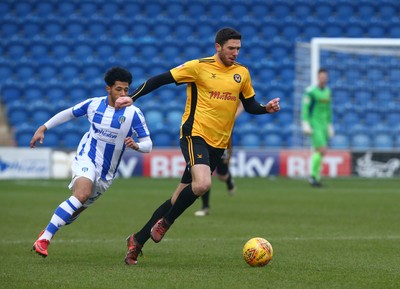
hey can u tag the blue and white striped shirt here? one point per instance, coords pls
(104, 143)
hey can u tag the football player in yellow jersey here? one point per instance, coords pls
(215, 86)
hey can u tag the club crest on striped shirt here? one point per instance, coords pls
(121, 119)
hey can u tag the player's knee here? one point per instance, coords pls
(200, 188)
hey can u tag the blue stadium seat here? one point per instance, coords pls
(183, 30)
(119, 29)
(30, 28)
(216, 10)
(77, 93)
(205, 30)
(16, 50)
(52, 28)
(355, 29)
(22, 9)
(281, 9)
(323, 9)
(83, 51)
(34, 91)
(273, 140)
(75, 28)
(60, 50)
(43, 9)
(313, 28)
(71, 139)
(291, 30)
(285, 117)
(52, 139)
(70, 71)
(25, 71)
(175, 9)
(394, 73)
(154, 118)
(39, 51)
(360, 141)
(162, 29)
(279, 50)
(161, 139)
(11, 92)
(174, 118)
(111, 8)
(387, 10)
(5, 8)
(140, 30)
(334, 28)
(392, 118)
(148, 51)
(344, 10)
(9, 27)
(65, 8)
(95, 28)
(153, 8)
(170, 52)
(92, 72)
(87, 8)
(376, 30)
(383, 141)
(339, 141)
(251, 140)
(249, 30)
(47, 72)
(366, 9)
(6, 71)
(303, 9)
(270, 29)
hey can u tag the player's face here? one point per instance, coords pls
(117, 90)
(322, 79)
(228, 52)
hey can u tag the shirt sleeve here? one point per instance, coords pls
(305, 105)
(59, 118)
(247, 87)
(186, 72)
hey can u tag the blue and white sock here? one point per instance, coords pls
(61, 216)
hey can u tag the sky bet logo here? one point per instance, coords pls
(222, 95)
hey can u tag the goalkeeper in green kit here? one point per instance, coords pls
(316, 116)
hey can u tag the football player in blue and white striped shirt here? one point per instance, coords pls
(99, 152)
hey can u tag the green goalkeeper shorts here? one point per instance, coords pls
(319, 137)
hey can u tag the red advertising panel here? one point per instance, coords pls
(163, 164)
(296, 163)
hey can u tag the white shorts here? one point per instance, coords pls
(85, 168)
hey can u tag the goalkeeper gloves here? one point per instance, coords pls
(307, 129)
(331, 131)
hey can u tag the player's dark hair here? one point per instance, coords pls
(117, 74)
(225, 34)
(322, 70)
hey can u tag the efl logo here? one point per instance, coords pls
(296, 163)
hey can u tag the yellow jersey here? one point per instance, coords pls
(213, 91)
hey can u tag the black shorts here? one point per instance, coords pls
(196, 151)
(222, 167)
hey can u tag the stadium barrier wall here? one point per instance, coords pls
(43, 163)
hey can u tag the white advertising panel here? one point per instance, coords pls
(25, 163)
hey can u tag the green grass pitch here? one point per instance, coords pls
(345, 235)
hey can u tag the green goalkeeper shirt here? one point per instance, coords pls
(317, 106)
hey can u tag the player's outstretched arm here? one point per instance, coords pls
(145, 88)
(38, 136)
(59, 118)
(273, 105)
(254, 107)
